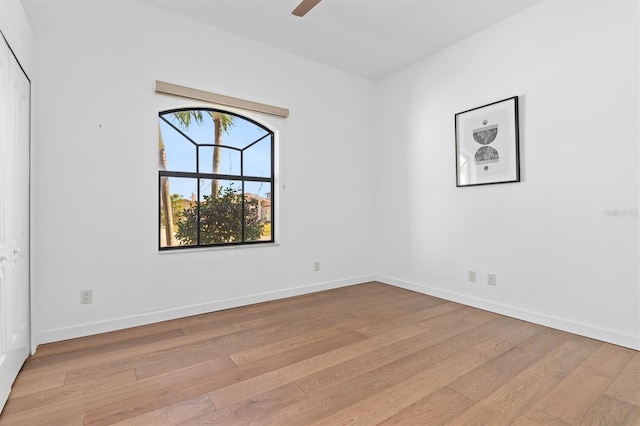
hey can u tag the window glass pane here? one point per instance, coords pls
(196, 124)
(221, 215)
(179, 153)
(257, 159)
(229, 160)
(180, 210)
(257, 211)
(199, 125)
(242, 133)
(259, 189)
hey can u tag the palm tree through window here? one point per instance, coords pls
(215, 179)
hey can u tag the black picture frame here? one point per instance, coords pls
(488, 144)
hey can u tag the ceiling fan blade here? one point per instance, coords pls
(304, 7)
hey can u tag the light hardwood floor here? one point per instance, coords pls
(367, 354)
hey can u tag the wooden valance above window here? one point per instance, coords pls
(202, 95)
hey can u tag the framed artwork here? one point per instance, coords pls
(487, 145)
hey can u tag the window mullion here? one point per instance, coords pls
(198, 213)
(243, 197)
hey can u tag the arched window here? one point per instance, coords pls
(216, 171)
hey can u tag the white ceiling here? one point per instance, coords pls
(370, 38)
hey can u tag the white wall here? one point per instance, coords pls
(559, 259)
(16, 29)
(97, 169)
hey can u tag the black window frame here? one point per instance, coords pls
(219, 176)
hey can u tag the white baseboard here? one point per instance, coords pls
(4, 395)
(563, 324)
(58, 334)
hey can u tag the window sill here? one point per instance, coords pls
(218, 248)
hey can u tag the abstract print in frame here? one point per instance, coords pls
(487, 144)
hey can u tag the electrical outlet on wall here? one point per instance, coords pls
(472, 276)
(316, 266)
(86, 296)
(491, 279)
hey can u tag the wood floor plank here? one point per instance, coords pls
(272, 379)
(610, 411)
(491, 375)
(388, 323)
(400, 305)
(362, 364)
(196, 378)
(269, 364)
(510, 400)
(363, 354)
(505, 341)
(442, 328)
(53, 396)
(155, 398)
(85, 366)
(281, 346)
(626, 387)
(27, 384)
(139, 401)
(202, 343)
(391, 400)
(99, 340)
(480, 317)
(545, 341)
(433, 410)
(322, 404)
(535, 417)
(238, 323)
(364, 306)
(409, 365)
(72, 420)
(264, 365)
(173, 414)
(215, 362)
(108, 347)
(250, 409)
(585, 384)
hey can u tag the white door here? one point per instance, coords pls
(14, 219)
